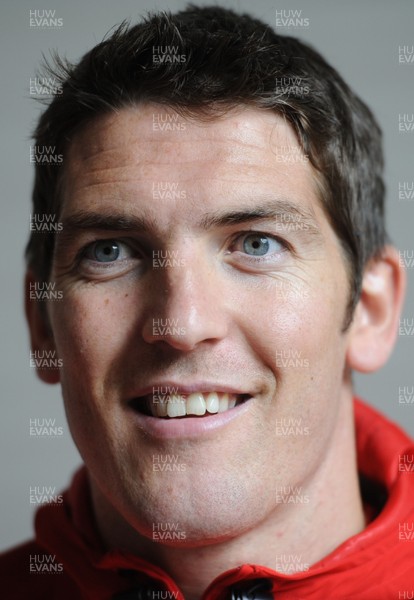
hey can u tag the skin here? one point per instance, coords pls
(236, 313)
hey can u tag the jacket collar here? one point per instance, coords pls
(70, 532)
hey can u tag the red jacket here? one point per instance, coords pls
(377, 564)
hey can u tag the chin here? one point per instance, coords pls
(192, 522)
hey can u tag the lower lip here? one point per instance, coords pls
(188, 427)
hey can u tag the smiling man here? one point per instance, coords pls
(223, 266)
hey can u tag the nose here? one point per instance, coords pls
(187, 308)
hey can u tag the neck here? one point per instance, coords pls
(292, 529)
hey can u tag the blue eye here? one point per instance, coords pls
(104, 251)
(258, 244)
(105, 258)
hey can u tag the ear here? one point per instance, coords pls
(41, 337)
(374, 327)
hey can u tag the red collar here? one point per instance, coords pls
(69, 532)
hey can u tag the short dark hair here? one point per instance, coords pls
(229, 60)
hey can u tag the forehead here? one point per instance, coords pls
(168, 125)
(121, 156)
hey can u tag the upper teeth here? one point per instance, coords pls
(197, 403)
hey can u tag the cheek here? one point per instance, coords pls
(90, 327)
(288, 320)
(298, 337)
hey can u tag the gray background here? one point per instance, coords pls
(359, 37)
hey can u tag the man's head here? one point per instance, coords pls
(219, 60)
(218, 233)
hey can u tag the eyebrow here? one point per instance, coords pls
(283, 210)
(86, 220)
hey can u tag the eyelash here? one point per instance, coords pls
(286, 246)
(81, 255)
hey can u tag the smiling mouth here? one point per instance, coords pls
(196, 404)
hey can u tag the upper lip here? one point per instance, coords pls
(172, 387)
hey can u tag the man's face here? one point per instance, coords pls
(195, 259)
